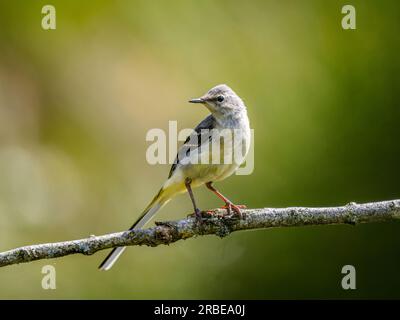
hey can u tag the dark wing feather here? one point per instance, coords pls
(194, 140)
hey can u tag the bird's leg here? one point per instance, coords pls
(228, 204)
(197, 211)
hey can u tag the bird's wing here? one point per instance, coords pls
(194, 140)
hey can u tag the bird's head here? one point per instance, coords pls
(221, 101)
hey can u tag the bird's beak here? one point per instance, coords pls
(198, 100)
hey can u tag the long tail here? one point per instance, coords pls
(155, 205)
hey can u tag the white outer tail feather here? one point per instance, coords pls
(112, 258)
(115, 254)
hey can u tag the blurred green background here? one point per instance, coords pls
(76, 104)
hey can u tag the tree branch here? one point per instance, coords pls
(218, 224)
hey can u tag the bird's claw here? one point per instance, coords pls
(200, 215)
(229, 206)
(197, 215)
(240, 206)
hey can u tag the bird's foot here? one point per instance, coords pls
(240, 206)
(198, 215)
(229, 206)
(210, 213)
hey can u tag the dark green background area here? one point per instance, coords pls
(76, 104)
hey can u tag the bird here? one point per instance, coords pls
(228, 119)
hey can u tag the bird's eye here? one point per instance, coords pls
(220, 98)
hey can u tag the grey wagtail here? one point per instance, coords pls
(228, 113)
